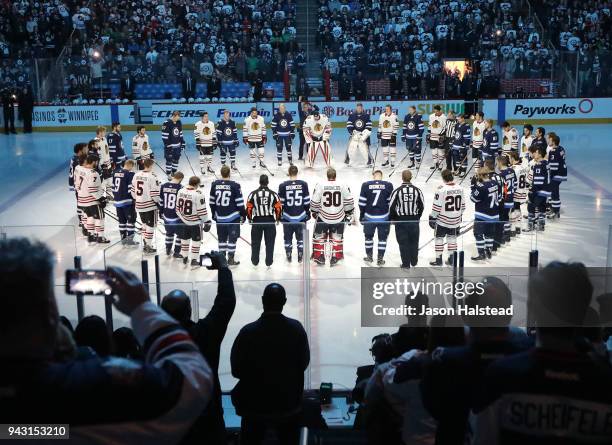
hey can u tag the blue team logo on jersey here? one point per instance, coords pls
(358, 123)
(175, 131)
(411, 125)
(228, 131)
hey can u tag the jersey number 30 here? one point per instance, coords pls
(332, 199)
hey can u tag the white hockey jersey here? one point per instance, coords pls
(204, 133)
(88, 186)
(478, 129)
(103, 152)
(525, 144)
(448, 205)
(254, 130)
(141, 148)
(332, 202)
(387, 125)
(145, 191)
(521, 170)
(317, 129)
(191, 206)
(510, 140)
(436, 126)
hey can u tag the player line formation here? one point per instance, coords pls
(506, 179)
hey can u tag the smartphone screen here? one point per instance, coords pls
(88, 282)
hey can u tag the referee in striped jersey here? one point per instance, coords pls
(406, 208)
(449, 135)
(263, 211)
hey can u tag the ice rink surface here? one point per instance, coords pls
(35, 201)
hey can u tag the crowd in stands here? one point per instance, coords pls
(446, 380)
(153, 41)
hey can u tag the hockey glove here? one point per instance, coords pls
(441, 140)
(71, 188)
(275, 137)
(428, 138)
(242, 219)
(378, 135)
(207, 226)
(432, 222)
(315, 215)
(264, 139)
(152, 155)
(403, 138)
(102, 202)
(348, 217)
(183, 146)
(246, 141)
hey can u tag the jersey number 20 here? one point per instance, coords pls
(452, 203)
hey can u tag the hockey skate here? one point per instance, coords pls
(436, 262)
(319, 260)
(177, 255)
(385, 164)
(449, 260)
(380, 262)
(479, 257)
(185, 260)
(488, 253)
(280, 163)
(91, 238)
(368, 259)
(130, 241)
(149, 250)
(233, 166)
(210, 170)
(195, 263)
(289, 257)
(411, 165)
(231, 261)
(300, 257)
(553, 216)
(102, 240)
(333, 262)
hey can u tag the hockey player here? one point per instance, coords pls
(445, 217)
(508, 176)
(359, 127)
(145, 191)
(174, 142)
(374, 201)
(526, 140)
(317, 131)
(498, 230)
(412, 134)
(104, 164)
(461, 144)
(510, 138)
(115, 146)
(478, 128)
(295, 199)
(388, 125)
(435, 136)
(490, 142)
(264, 210)
(449, 138)
(172, 223)
(191, 209)
(124, 202)
(283, 132)
(485, 196)
(254, 135)
(540, 138)
(91, 199)
(558, 173)
(332, 206)
(521, 171)
(141, 147)
(206, 139)
(80, 153)
(539, 192)
(228, 211)
(227, 138)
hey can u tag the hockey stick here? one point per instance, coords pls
(398, 164)
(189, 162)
(375, 155)
(160, 167)
(237, 171)
(421, 163)
(261, 164)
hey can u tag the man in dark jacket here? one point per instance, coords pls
(213, 87)
(26, 108)
(208, 334)
(304, 110)
(8, 96)
(360, 87)
(269, 357)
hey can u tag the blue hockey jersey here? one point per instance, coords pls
(485, 196)
(115, 147)
(557, 165)
(490, 142)
(167, 202)
(295, 198)
(374, 200)
(226, 133)
(226, 201)
(413, 126)
(358, 122)
(172, 134)
(282, 124)
(122, 187)
(462, 137)
(540, 179)
(509, 187)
